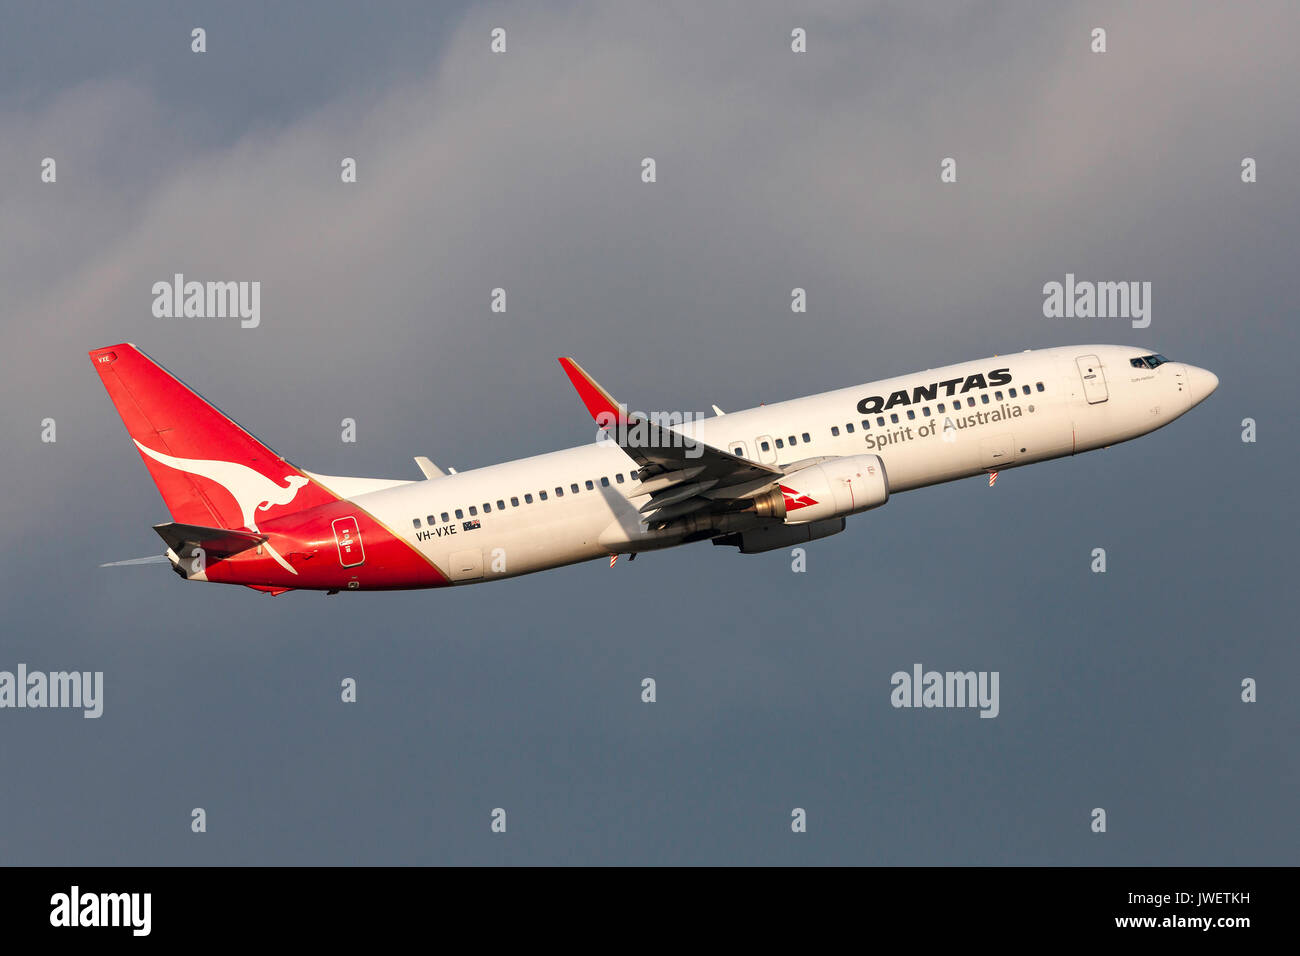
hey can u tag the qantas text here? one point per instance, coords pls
(928, 393)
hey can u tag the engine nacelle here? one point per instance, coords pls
(843, 486)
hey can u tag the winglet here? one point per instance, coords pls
(428, 467)
(600, 404)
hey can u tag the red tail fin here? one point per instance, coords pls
(210, 471)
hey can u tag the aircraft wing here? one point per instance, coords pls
(680, 473)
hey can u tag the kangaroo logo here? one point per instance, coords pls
(794, 500)
(253, 492)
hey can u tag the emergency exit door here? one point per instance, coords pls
(1094, 380)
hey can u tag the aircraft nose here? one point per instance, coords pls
(1201, 383)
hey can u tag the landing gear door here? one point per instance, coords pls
(1094, 379)
(347, 537)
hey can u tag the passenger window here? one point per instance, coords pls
(559, 492)
(880, 420)
(445, 517)
(487, 507)
(430, 520)
(911, 415)
(459, 513)
(514, 502)
(541, 495)
(766, 447)
(473, 511)
(1013, 391)
(619, 477)
(792, 441)
(604, 481)
(806, 438)
(780, 443)
(528, 500)
(501, 505)
(574, 487)
(738, 452)
(590, 484)
(985, 398)
(926, 411)
(866, 423)
(941, 408)
(894, 418)
(633, 475)
(998, 396)
(849, 427)
(1040, 386)
(416, 522)
(835, 431)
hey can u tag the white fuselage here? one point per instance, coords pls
(1054, 402)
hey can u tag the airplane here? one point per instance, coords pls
(769, 477)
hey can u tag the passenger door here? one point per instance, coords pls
(347, 538)
(1094, 379)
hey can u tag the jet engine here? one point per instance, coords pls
(831, 489)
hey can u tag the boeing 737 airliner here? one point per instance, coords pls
(768, 477)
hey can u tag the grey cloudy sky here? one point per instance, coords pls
(775, 170)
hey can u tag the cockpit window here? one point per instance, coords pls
(1148, 361)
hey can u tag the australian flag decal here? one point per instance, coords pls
(471, 525)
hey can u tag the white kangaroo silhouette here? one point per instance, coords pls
(253, 492)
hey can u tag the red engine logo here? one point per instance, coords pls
(794, 500)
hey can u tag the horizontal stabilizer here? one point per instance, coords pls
(151, 559)
(273, 591)
(217, 542)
